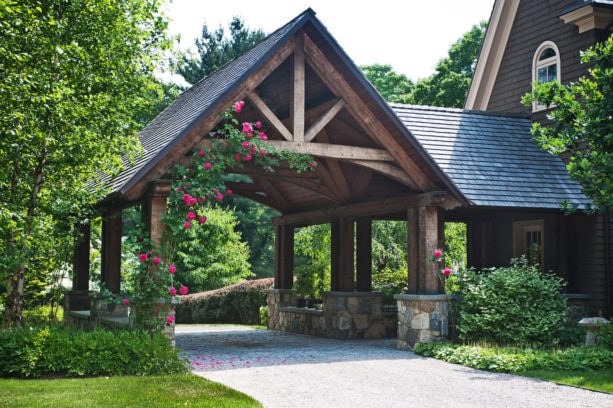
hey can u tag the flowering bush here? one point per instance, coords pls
(194, 190)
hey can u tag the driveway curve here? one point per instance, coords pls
(289, 370)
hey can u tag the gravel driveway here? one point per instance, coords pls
(290, 370)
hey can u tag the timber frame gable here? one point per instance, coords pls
(312, 99)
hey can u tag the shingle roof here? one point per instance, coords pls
(491, 159)
(176, 120)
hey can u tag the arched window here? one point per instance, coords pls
(545, 67)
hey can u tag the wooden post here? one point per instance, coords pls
(364, 254)
(80, 279)
(342, 264)
(111, 249)
(155, 208)
(298, 94)
(284, 257)
(425, 234)
(413, 250)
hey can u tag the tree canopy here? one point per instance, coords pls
(394, 87)
(75, 76)
(214, 49)
(582, 127)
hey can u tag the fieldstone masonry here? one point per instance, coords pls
(344, 315)
(421, 319)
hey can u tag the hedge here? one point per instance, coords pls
(239, 303)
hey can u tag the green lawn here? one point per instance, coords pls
(599, 380)
(163, 391)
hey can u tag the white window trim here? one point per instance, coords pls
(536, 64)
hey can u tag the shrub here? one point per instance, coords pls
(239, 303)
(59, 350)
(512, 305)
(605, 336)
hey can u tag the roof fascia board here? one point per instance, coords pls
(492, 52)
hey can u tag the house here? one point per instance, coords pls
(422, 165)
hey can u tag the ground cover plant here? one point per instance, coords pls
(177, 390)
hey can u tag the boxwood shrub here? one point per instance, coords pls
(239, 303)
(58, 350)
(514, 305)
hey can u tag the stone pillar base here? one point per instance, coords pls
(276, 299)
(421, 319)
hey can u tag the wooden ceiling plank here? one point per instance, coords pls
(361, 113)
(298, 93)
(323, 120)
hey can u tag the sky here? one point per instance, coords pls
(410, 35)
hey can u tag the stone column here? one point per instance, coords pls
(423, 313)
(364, 254)
(275, 299)
(111, 249)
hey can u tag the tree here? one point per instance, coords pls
(582, 124)
(448, 86)
(215, 49)
(394, 87)
(74, 73)
(214, 256)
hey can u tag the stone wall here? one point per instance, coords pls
(421, 319)
(344, 315)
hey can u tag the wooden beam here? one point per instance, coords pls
(334, 151)
(80, 279)
(413, 250)
(323, 120)
(339, 180)
(272, 192)
(318, 188)
(208, 123)
(388, 169)
(111, 249)
(371, 208)
(327, 179)
(269, 115)
(360, 181)
(262, 199)
(362, 114)
(298, 93)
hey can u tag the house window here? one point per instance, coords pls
(545, 67)
(528, 240)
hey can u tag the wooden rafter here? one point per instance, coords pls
(318, 188)
(336, 171)
(387, 169)
(360, 181)
(270, 116)
(323, 120)
(271, 191)
(195, 134)
(361, 113)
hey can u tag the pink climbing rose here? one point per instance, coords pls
(246, 144)
(219, 197)
(183, 290)
(156, 261)
(207, 165)
(313, 164)
(438, 253)
(191, 215)
(126, 301)
(172, 269)
(238, 106)
(447, 271)
(172, 291)
(229, 192)
(237, 156)
(202, 220)
(187, 225)
(143, 257)
(248, 157)
(170, 320)
(262, 152)
(263, 136)
(258, 124)
(247, 128)
(201, 153)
